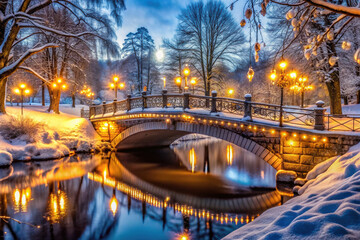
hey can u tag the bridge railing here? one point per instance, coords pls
(308, 118)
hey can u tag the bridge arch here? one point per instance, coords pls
(153, 134)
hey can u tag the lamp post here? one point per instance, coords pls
(193, 83)
(282, 82)
(164, 80)
(22, 90)
(301, 85)
(186, 74)
(178, 83)
(116, 85)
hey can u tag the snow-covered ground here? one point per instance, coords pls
(328, 206)
(48, 135)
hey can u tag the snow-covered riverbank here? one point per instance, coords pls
(328, 207)
(43, 135)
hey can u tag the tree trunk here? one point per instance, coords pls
(346, 102)
(334, 94)
(358, 97)
(3, 95)
(73, 100)
(54, 100)
(43, 94)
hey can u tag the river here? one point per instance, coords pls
(196, 189)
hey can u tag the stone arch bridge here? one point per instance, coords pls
(308, 136)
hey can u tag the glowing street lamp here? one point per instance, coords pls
(178, 83)
(116, 85)
(282, 82)
(193, 83)
(22, 90)
(186, 72)
(164, 80)
(230, 92)
(301, 86)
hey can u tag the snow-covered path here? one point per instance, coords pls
(328, 207)
(52, 135)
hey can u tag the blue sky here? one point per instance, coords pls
(159, 17)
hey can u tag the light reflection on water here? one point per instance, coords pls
(225, 159)
(97, 197)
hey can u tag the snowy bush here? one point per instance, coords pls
(22, 128)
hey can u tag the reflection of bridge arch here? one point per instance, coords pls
(251, 204)
(151, 134)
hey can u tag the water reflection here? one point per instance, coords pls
(148, 194)
(225, 159)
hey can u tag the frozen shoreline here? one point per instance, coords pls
(328, 206)
(55, 135)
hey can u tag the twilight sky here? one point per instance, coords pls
(158, 16)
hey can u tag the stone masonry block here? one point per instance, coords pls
(292, 158)
(306, 159)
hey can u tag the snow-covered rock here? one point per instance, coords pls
(5, 159)
(328, 207)
(286, 176)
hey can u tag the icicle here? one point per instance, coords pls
(333, 60)
(330, 35)
(307, 54)
(263, 9)
(357, 56)
(257, 47)
(248, 13)
(242, 23)
(290, 14)
(346, 45)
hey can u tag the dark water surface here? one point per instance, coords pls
(200, 189)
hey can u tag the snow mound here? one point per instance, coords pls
(5, 159)
(45, 135)
(328, 206)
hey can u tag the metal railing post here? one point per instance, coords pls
(164, 98)
(186, 100)
(104, 107)
(144, 104)
(247, 108)
(213, 101)
(128, 102)
(115, 102)
(319, 116)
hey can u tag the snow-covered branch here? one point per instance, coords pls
(8, 70)
(349, 11)
(36, 74)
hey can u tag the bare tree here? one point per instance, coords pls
(210, 36)
(21, 20)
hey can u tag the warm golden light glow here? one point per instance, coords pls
(116, 78)
(193, 81)
(192, 159)
(17, 90)
(22, 85)
(186, 71)
(231, 91)
(54, 85)
(64, 86)
(293, 75)
(283, 64)
(250, 74)
(121, 85)
(59, 80)
(27, 91)
(112, 85)
(229, 154)
(113, 205)
(178, 81)
(273, 75)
